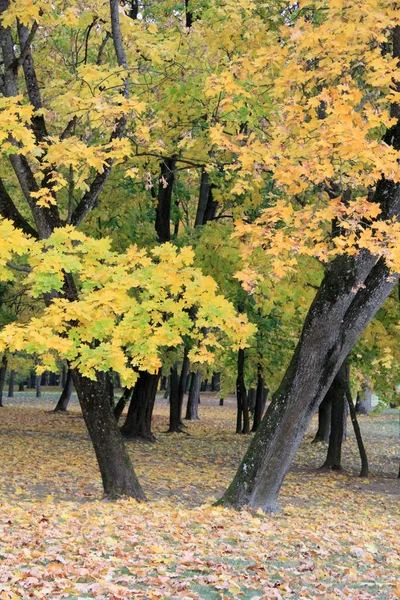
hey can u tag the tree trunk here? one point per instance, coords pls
(3, 371)
(192, 409)
(216, 382)
(361, 448)
(336, 395)
(259, 405)
(163, 208)
(352, 291)
(65, 397)
(21, 387)
(122, 402)
(138, 420)
(38, 386)
(174, 402)
(182, 382)
(241, 397)
(364, 401)
(118, 476)
(11, 382)
(63, 378)
(324, 420)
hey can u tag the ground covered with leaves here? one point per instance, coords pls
(336, 537)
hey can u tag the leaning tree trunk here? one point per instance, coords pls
(122, 402)
(336, 396)
(324, 420)
(138, 420)
(65, 397)
(3, 371)
(352, 291)
(357, 432)
(118, 476)
(192, 409)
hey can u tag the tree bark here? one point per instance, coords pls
(138, 420)
(336, 396)
(357, 432)
(259, 405)
(241, 397)
(352, 291)
(216, 382)
(182, 382)
(11, 384)
(65, 397)
(38, 389)
(3, 371)
(174, 402)
(164, 196)
(364, 401)
(117, 474)
(192, 409)
(122, 402)
(324, 420)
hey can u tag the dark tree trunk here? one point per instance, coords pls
(32, 379)
(192, 409)
(324, 420)
(163, 384)
(163, 208)
(21, 387)
(221, 401)
(251, 399)
(174, 402)
(65, 397)
(63, 378)
(216, 382)
(352, 291)
(167, 388)
(361, 448)
(138, 420)
(336, 394)
(182, 382)
(122, 402)
(11, 382)
(53, 379)
(44, 378)
(3, 371)
(241, 397)
(38, 386)
(118, 476)
(260, 403)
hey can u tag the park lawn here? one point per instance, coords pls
(336, 537)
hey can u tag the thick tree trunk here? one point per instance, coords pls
(324, 420)
(138, 420)
(174, 402)
(65, 397)
(122, 402)
(192, 409)
(336, 395)
(163, 208)
(3, 371)
(361, 448)
(118, 476)
(11, 382)
(259, 405)
(352, 291)
(241, 397)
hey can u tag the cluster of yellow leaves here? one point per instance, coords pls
(131, 306)
(335, 538)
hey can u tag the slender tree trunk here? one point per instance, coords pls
(324, 420)
(65, 397)
(174, 402)
(138, 420)
(241, 397)
(11, 384)
(216, 382)
(364, 401)
(192, 409)
(122, 402)
(118, 476)
(259, 405)
(221, 401)
(167, 388)
(361, 448)
(21, 387)
(352, 291)
(164, 196)
(182, 383)
(38, 386)
(336, 394)
(3, 371)
(63, 378)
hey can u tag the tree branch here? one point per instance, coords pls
(8, 210)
